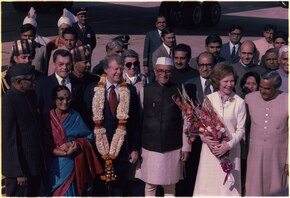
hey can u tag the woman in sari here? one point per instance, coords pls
(72, 162)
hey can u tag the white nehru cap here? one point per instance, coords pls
(30, 18)
(164, 61)
(67, 18)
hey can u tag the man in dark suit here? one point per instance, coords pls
(22, 151)
(110, 93)
(167, 46)
(230, 50)
(197, 88)
(151, 43)
(213, 43)
(62, 61)
(86, 33)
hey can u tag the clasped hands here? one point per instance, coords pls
(69, 147)
(218, 149)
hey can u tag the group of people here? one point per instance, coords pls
(72, 130)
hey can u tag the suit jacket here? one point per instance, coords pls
(151, 43)
(159, 52)
(86, 37)
(111, 123)
(226, 53)
(44, 88)
(194, 89)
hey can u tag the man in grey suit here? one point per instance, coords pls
(167, 46)
(151, 43)
(229, 51)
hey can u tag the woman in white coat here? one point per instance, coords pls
(232, 112)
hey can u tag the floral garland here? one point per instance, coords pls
(110, 152)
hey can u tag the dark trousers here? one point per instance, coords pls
(31, 189)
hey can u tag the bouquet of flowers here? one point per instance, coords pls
(202, 119)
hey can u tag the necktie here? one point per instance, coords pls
(207, 89)
(113, 102)
(233, 52)
(63, 82)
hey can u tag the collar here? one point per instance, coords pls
(108, 85)
(59, 79)
(250, 65)
(167, 48)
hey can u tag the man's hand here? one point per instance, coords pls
(22, 181)
(133, 157)
(184, 156)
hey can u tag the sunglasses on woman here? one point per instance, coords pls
(129, 64)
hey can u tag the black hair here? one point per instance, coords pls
(70, 30)
(183, 48)
(61, 52)
(213, 38)
(27, 27)
(234, 27)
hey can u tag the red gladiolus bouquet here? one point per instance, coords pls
(203, 120)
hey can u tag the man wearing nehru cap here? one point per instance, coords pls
(164, 145)
(22, 152)
(81, 77)
(86, 33)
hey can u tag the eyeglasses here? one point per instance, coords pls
(68, 99)
(129, 64)
(160, 71)
(205, 65)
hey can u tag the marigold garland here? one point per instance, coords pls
(110, 152)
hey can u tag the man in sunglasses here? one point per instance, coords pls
(132, 74)
(163, 146)
(22, 152)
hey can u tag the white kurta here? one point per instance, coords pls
(210, 176)
(162, 168)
